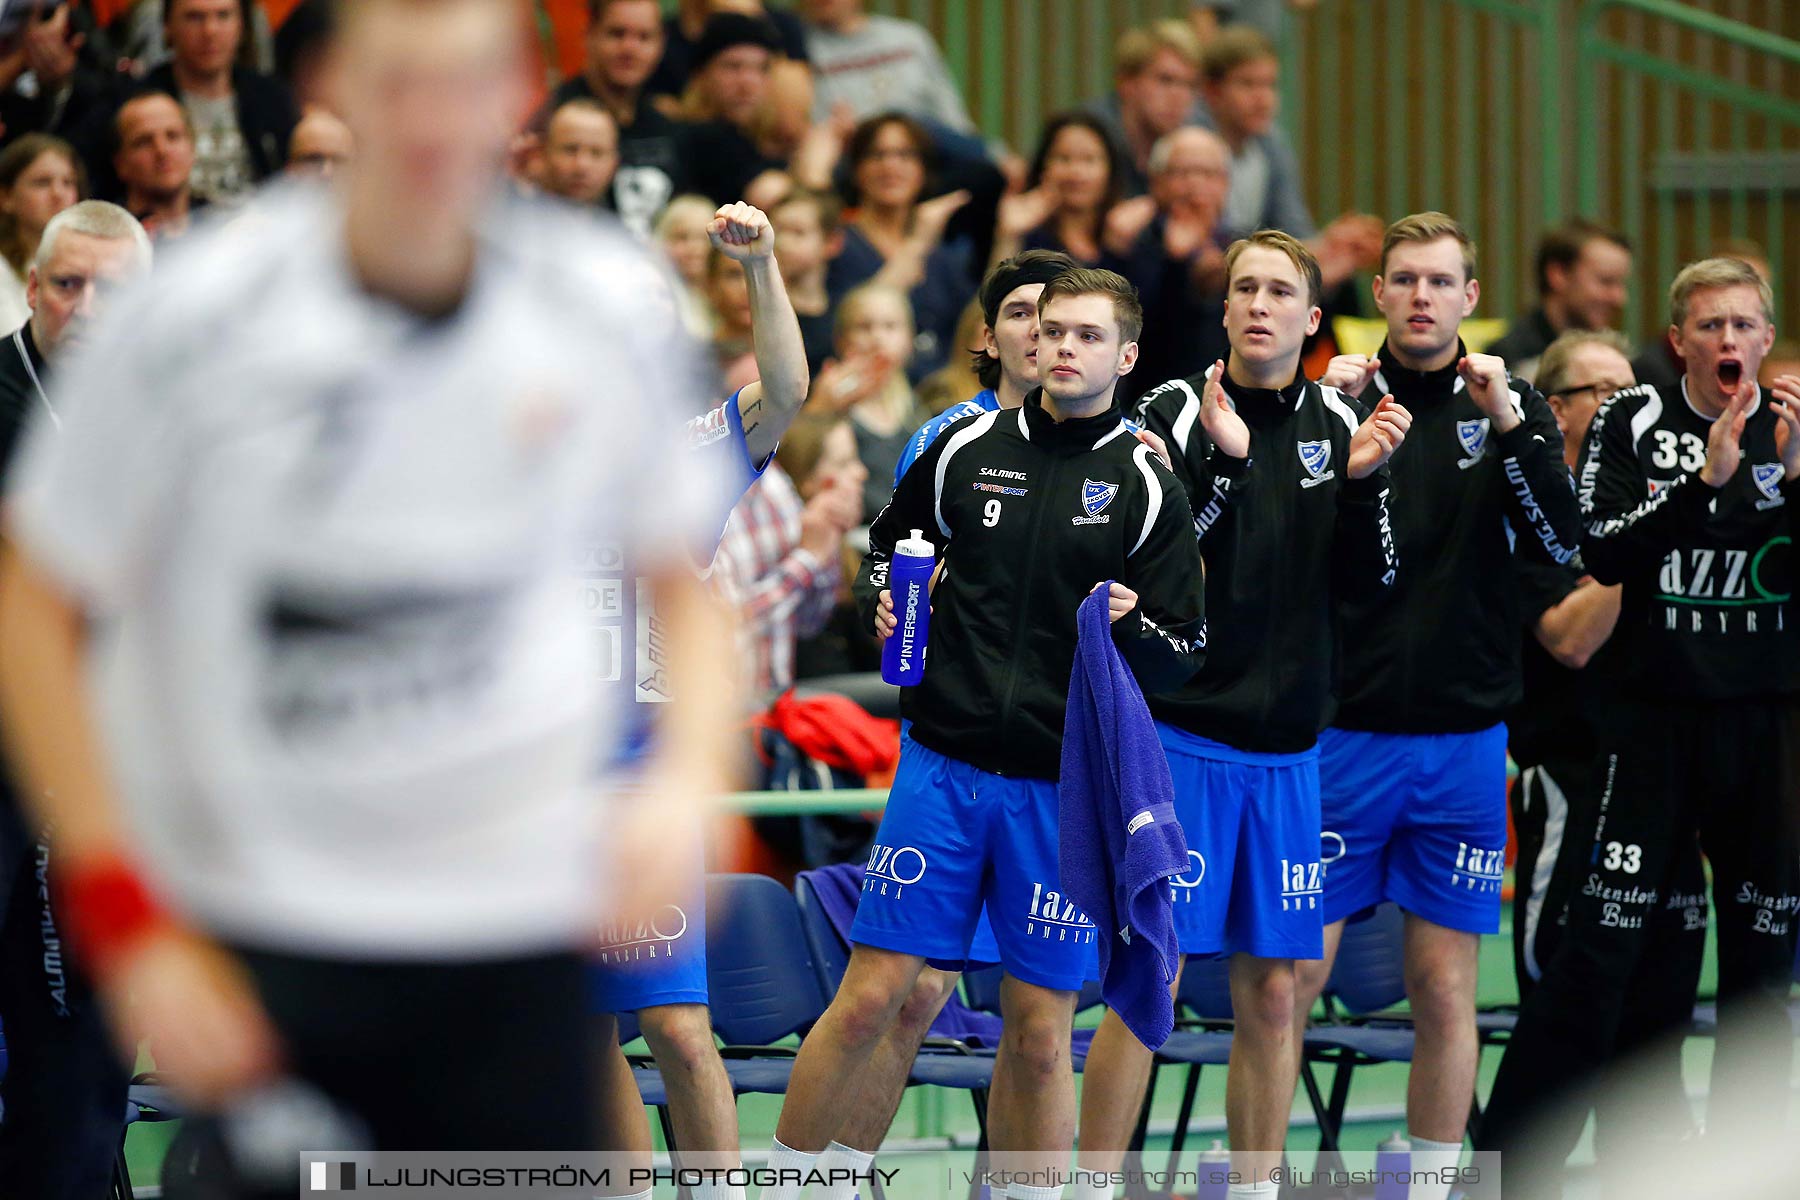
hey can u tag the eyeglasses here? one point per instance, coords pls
(1602, 391)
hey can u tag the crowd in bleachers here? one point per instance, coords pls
(846, 127)
(918, 258)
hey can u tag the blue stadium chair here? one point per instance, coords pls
(762, 982)
(941, 1062)
(981, 991)
(146, 1100)
(1201, 1039)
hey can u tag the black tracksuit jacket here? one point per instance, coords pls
(1440, 654)
(1028, 515)
(1283, 533)
(1708, 573)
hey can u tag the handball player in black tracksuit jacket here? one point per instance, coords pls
(1029, 509)
(1290, 489)
(1690, 501)
(1413, 769)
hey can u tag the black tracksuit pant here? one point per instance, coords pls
(64, 1088)
(1556, 808)
(1724, 771)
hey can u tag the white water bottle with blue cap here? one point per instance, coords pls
(909, 581)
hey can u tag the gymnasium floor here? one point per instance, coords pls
(931, 1118)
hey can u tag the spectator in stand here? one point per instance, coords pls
(686, 26)
(580, 153)
(724, 104)
(1240, 78)
(302, 46)
(956, 380)
(1174, 243)
(1583, 277)
(681, 233)
(1270, 16)
(40, 175)
(241, 121)
(875, 328)
(781, 560)
(1075, 182)
(879, 64)
(808, 235)
(625, 42)
(785, 131)
(819, 451)
(322, 145)
(154, 162)
(53, 81)
(1156, 86)
(895, 237)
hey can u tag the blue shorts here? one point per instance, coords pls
(1419, 819)
(660, 961)
(984, 951)
(1252, 826)
(954, 837)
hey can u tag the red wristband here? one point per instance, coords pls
(105, 910)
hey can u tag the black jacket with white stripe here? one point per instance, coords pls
(1282, 533)
(1708, 572)
(1028, 514)
(1441, 655)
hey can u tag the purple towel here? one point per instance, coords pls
(1119, 837)
(839, 888)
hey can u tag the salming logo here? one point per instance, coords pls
(1534, 514)
(1390, 557)
(54, 976)
(1209, 516)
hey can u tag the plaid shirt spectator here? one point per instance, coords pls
(781, 590)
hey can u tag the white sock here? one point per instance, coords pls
(1092, 1187)
(1268, 1189)
(1020, 1191)
(839, 1157)
(785, 1158)
(643, 1195)
(1428, 1155)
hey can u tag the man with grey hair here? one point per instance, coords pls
(64, 1089)
(1175, 244)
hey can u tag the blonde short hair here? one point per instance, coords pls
(1137, 48)
(1429, 227)
(1293, 247)
(1716, 273)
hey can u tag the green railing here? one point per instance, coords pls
(1703, 184)
(1678, 122)
(802, 804)
(1684, 129)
